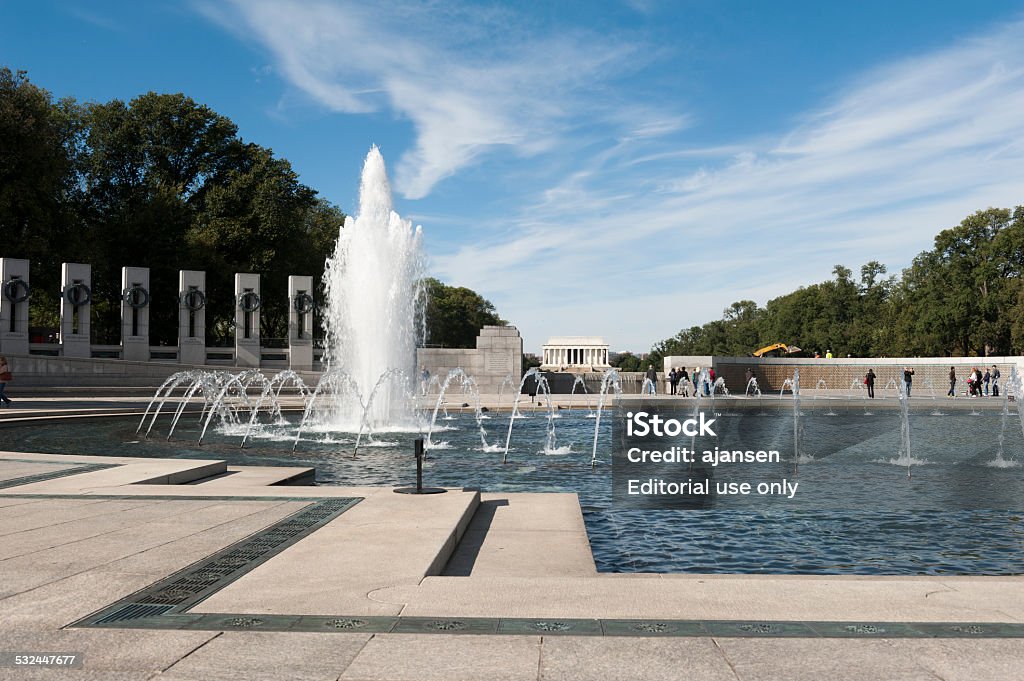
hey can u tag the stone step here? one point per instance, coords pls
(126, 472)
(522, 535)
(258, 476)
(384, 541)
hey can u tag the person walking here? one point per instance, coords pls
(684, 381)
(652, 379)
(952, 382)
(424, 380)
(869, 381)
(985, 380)
(5, 375)
(673, 380)
(908, 378)
(995, 380)
(695, 376)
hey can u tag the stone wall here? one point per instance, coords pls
(498, 355)
(32, 371)
(844, 373)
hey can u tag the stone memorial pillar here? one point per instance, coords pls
(191, 317)
(14, 306)
(75, 308)
(300, 323)
(247, 320)
(135, 301)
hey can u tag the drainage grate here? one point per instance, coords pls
(345, 623)
(757, 628)
(41, 477)
(550, 626)
(133, 611)
(445, 625)
(972, 630)
(864, 629)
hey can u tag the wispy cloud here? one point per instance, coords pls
(651, 238)
(96, 19)
(470, 79)
(628, 222)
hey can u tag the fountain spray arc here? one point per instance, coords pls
(375, 307)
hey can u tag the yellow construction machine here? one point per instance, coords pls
(788, 349)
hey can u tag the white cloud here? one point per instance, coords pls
(468, 78)
(637, 244)
(639, 234)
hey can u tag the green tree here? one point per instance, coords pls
(39, 189)
(147, 167)
(961, 297)
(260, 218)
(627, 361)
(456, 315)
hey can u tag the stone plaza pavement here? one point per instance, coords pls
(462, 585)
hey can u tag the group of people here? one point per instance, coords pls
(978, 384)
(908, 381)
(679, 381)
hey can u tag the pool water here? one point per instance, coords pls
(858, 512)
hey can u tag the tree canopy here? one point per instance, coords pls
(455, 315)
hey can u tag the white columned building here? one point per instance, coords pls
(586, 353)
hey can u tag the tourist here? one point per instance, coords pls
(952, 382)
(995, 380)
(424, 380)
(828, 354)
(695, 376)
(652, 380)
(710, 384)
(5, 375)
(972, 379)
(908, 378)
(985, 380)
(673, 379)
(869, 381)
(684, 380)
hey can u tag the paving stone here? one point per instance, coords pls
(160, 561)
(6, 501)
(41, 539)
(79, 675)
(814, 659)
(111, 649)
(66, 600)
(272, 656)
(429, 657)
(60, 510)
(967, 660)
(631, 659)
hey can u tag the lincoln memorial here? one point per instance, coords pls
(589, 353)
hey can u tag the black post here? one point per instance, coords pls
(419, 465)
(419, 452)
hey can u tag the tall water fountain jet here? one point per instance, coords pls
(374, 315)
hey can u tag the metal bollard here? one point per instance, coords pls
(418, 451)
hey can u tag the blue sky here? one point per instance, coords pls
(623, 169)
